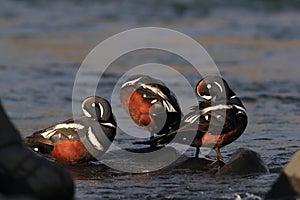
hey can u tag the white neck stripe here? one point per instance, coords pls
(240, 108)
(108, 124)
(94, 141)
(169, 107)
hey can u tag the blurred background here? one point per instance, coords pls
(255, 44)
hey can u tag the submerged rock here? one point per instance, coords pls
(244, 161)
(288, 184)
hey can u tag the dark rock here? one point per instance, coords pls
(244, 162)
(287, 186)
(193, 163)
(25, 174)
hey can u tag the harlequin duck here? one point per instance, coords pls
(61, 141)
(150, 104)
(217, 121)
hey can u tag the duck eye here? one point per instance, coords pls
(93, 104)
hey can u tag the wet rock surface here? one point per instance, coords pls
(244, 161)
(201, 164)
(287, 186)
(195, 174)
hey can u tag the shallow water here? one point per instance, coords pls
(255, 45)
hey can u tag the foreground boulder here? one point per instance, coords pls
(243, 162)
(25, 175)
(287, 186)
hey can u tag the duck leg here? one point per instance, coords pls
(197, 152)
(152, 145)
(219, 157)
(219, 162)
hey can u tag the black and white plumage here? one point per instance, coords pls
(63, 141)
(150, 104)
(214, 88)
(217, 121)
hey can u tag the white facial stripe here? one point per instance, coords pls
(131, 82)
(206, 97)
(86, 113)
(108, 124)
(94, 141)
(50, 133)
(217, 107)
(101, 110)
(232, 97)
(209, 86)
(221, 89)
